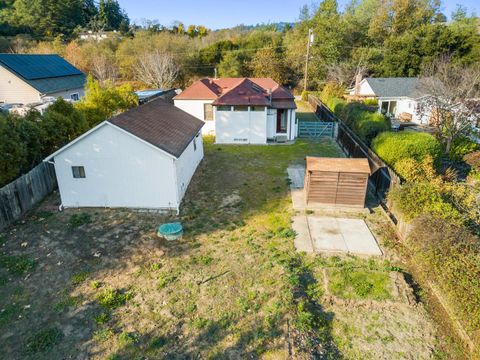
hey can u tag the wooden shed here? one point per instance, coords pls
(336, 181)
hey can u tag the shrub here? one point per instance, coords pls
(336, 105)
(462, 146)
(392, 147)
(415, 199)
(473, 159)
(370, 102)
(305, 94)
(417, 171)
(365, 123)
(332, 90)
(450, 256)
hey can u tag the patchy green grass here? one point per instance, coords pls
(232, 287)
(17, 264)
(304, 111)
(77, 220)
(43, 340)
(359, 284)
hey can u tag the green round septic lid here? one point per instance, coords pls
(170, 228)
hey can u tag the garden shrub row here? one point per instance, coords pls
(449, 255)
(364, 121)
(392, 147)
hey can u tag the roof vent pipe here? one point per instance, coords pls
(270, 95)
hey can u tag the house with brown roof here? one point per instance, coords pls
(241, 110)
(143, 158)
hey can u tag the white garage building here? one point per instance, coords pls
(241, 110)
(142, 158)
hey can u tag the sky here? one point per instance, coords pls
(217, 14)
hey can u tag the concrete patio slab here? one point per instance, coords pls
(334, 235)
(326, 234)
(303, 241)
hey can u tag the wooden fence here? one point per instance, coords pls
(24, 193)
(382, 177)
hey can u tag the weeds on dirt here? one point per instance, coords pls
(112, 299)
(77, 220)
(17, 264)
(103, 334)
(127, 338)
(79, 278)
(43, 340)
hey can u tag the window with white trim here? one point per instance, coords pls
(78, 172)
(75, 96)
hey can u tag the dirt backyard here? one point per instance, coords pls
(99, 283)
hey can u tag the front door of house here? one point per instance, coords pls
(281, 123)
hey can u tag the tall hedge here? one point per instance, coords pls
(395, 146)
(367, 124)
(449, 255)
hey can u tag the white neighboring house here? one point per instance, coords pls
(143, 158)
(29, 78)
(241, 110)
(396, 96)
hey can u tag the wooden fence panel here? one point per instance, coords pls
(22, 194)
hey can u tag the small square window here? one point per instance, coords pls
(257, 108)
(75, 97)
(240, 108)
(78, 172)
(224, 108)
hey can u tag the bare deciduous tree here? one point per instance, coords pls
(157, 69)
(104, 68)
(450, 98)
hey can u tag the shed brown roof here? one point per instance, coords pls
(160, 124)
(240, 91)
(351, 165)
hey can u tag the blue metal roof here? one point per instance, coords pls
(33, 67)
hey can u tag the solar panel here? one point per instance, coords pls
(32, 67)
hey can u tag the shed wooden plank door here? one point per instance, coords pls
(337, 188)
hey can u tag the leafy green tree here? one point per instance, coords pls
(61, 124)
(112, 16)
(13, 151)
(231, 65)
(269, 63)
(101, 102)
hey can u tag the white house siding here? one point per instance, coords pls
(196, 108)
(365, 89)
(186, 165)
(240, 127)
(68, 93)
(15, 90)
(120, 170)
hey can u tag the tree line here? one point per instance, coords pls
(26, 140)
(369, 37)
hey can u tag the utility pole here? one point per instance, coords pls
(309, 43)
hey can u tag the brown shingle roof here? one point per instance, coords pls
(160, 124)
(240, 91)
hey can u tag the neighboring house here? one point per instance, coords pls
(27, 79)
(396, 96)
(142, 158)
(241, 110)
